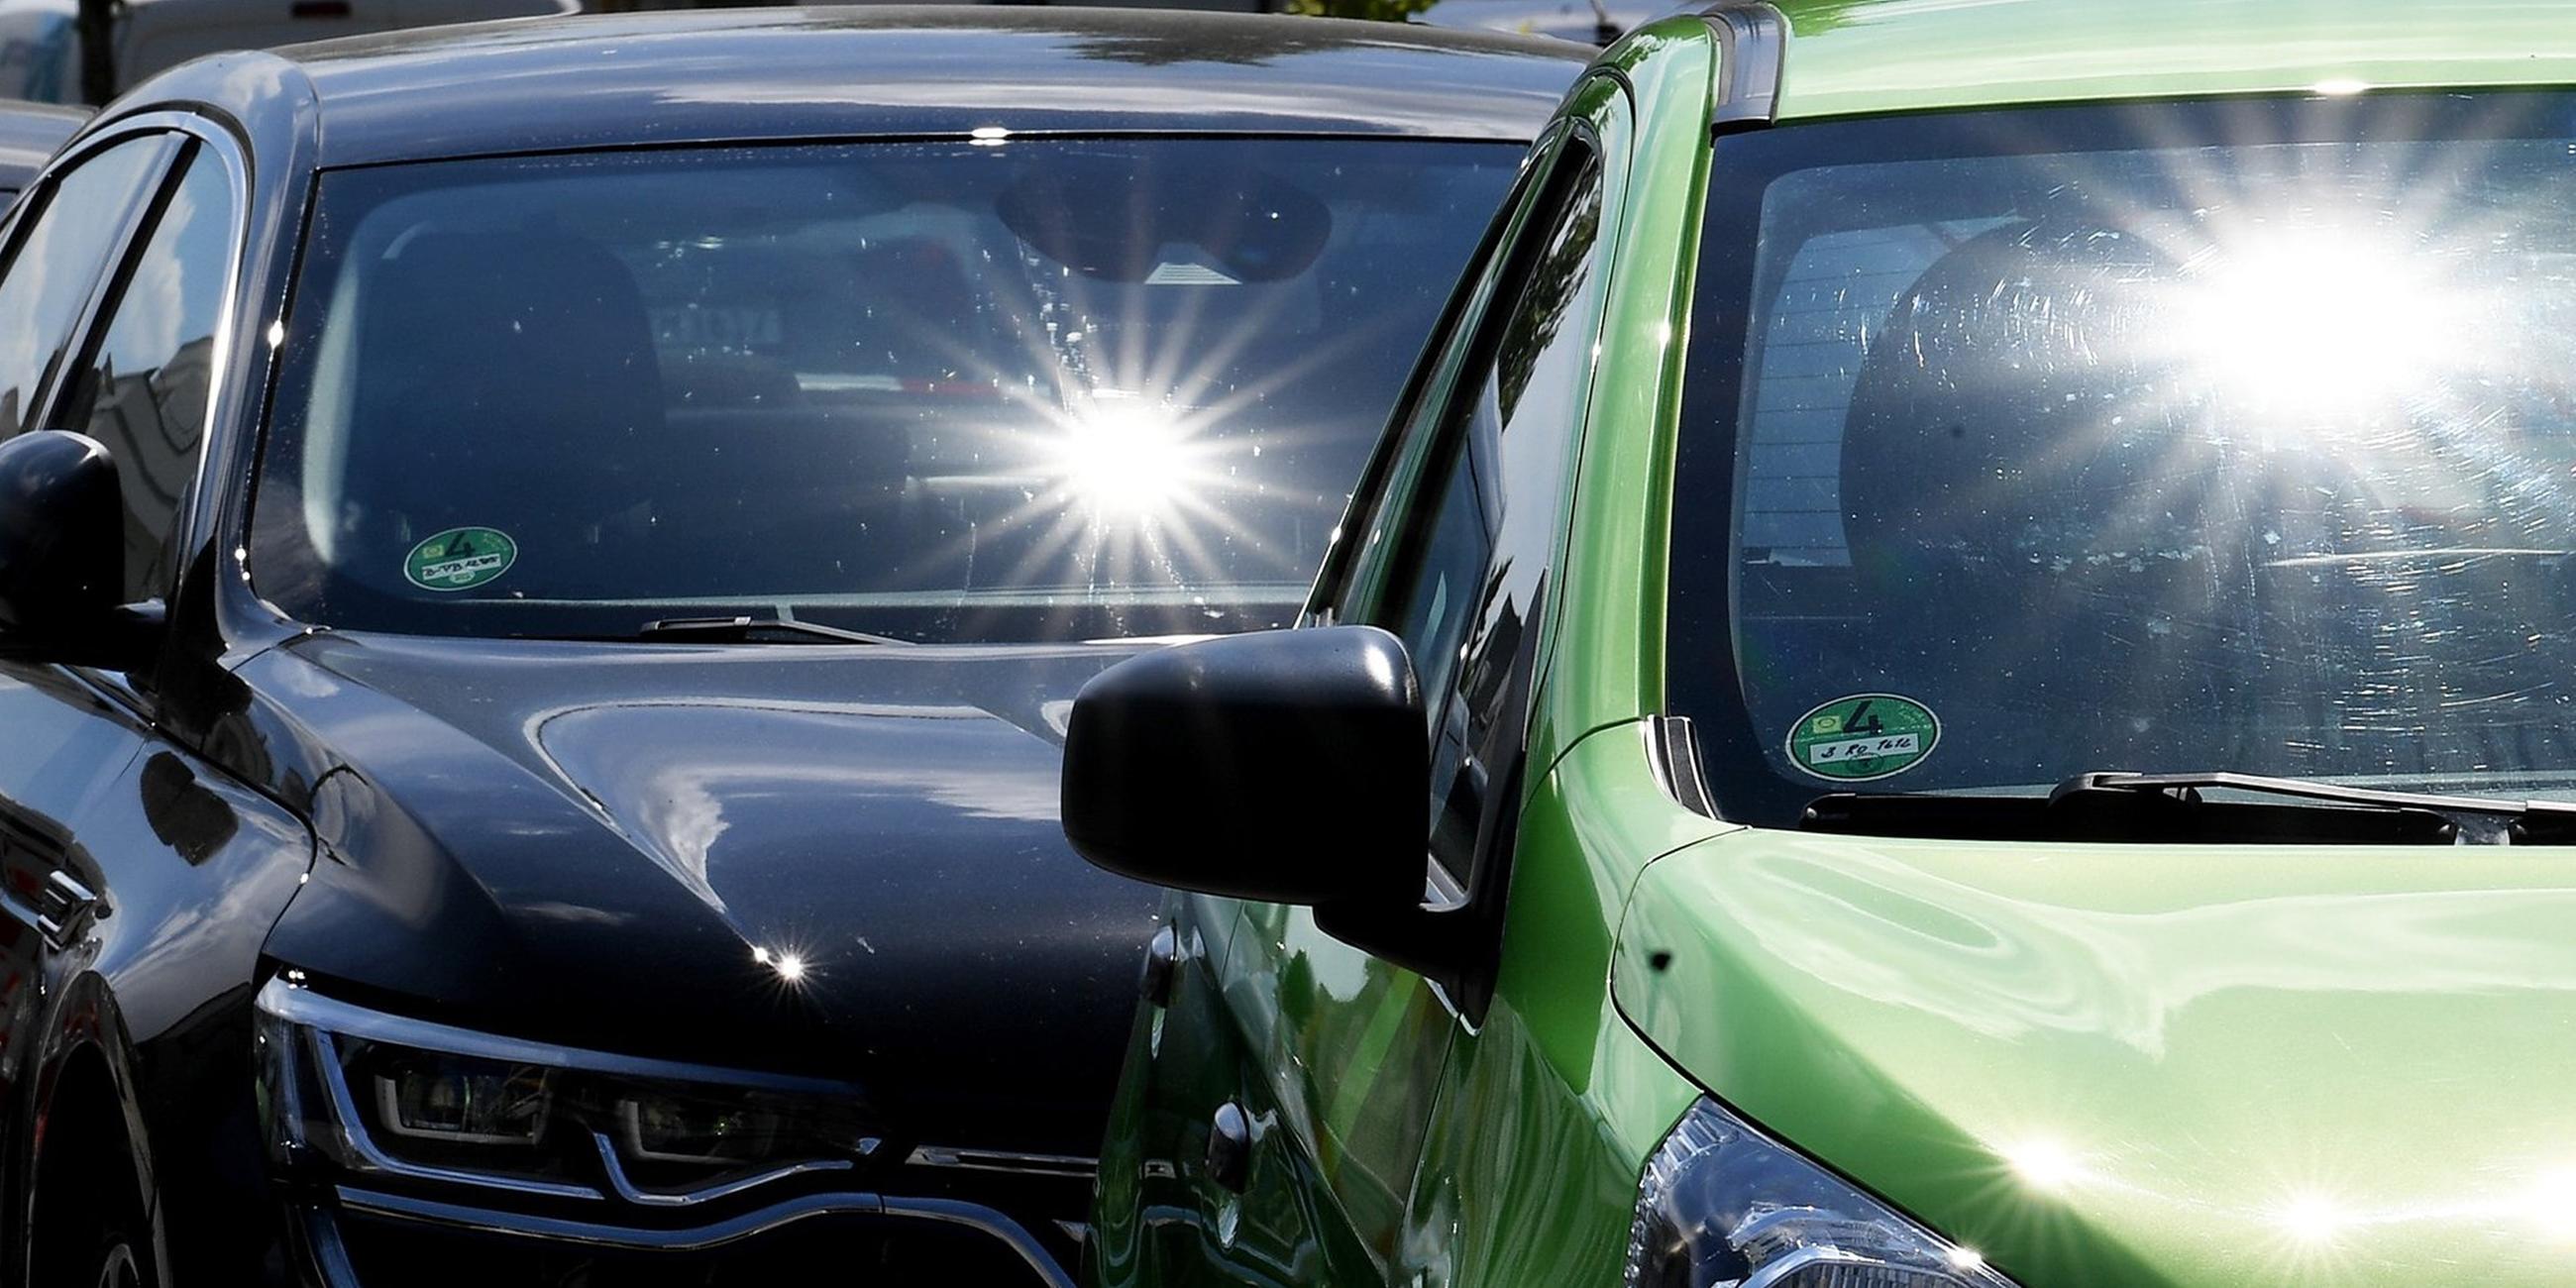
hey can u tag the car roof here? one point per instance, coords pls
(1847, 57)
(545, 84)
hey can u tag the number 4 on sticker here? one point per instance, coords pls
(1863, 736)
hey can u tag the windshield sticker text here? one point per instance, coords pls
(460, 559)
(1864, 736)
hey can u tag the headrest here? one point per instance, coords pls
(2013, 408)
(533, 333)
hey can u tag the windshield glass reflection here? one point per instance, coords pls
(2257, 456)
(1000, 389)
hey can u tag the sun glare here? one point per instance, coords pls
(1125, 461)
(2321, 319)
(2043, 1164)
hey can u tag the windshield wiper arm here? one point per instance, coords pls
(2171, 807)
(727, 630)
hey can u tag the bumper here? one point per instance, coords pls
(351, 1237)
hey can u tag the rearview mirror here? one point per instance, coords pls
(62, 551)
(1286, 766)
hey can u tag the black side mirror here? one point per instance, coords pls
(1287, 766)
(62, 552)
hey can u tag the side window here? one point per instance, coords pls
(55, 267)
(1467, 570)
(142, 391)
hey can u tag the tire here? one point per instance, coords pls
(90, 1231)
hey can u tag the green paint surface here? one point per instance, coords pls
(1849, 57)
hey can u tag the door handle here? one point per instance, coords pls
(64, 908)
(1229, 1148)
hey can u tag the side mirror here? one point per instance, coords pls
(1286, 766)
(62, 553)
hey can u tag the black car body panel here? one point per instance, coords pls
(606, 846)
(870, 71)
(618, 829)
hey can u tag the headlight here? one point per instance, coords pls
(1724, 1207)
(388, 1095)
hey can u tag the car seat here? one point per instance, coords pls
(506, 380)
(2049, 521)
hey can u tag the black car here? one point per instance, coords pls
(542, 568)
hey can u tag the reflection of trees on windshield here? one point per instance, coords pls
(1378, 10)
(1555, 280)
(1249, 45)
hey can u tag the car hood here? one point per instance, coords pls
(823, 860)
(2144, 1065)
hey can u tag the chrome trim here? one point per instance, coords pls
(314, 1010)
(983, 1220)
(1753, 41)
(1673, 750)
(353, 1133)
(220, 144)
(1804, 1259)
(996, 1160)
(986, 1221)
(631, 1192)
(317, 1020)
(64, 902)
(328, 1256)
(600, 1234)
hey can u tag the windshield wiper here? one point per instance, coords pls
(743, 630)
(2173, 807)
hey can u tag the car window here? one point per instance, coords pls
(1461, 581)
(142, 393)
(2068, 443)
(54, 269)
(1033, 390)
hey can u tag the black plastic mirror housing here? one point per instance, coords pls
(1286, 766)
(62, 551)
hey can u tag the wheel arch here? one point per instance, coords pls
(84, 1102)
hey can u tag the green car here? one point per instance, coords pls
(1976, 596)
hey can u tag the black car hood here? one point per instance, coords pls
(832, 861)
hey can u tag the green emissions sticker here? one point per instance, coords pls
(1864, 736)
(460, 559)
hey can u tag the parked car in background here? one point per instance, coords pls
(29, 133)
(1592, 21)
(1979, 598)
(542, 575)
(68, 51)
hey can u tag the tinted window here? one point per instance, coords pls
(56, 267)
(1036, 390)
(1462, 594)
(2237, 438)
(143, 393)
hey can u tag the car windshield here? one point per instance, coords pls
(2228, 436)
(999, 390)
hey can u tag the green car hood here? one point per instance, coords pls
(2113, 1065)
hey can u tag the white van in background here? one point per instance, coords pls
(42, 49)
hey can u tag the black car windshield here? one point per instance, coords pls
(2178, 437)
(989, 390)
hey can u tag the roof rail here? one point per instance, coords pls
(1753, 39)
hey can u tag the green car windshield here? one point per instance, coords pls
(2228, 436)
(988, 390)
